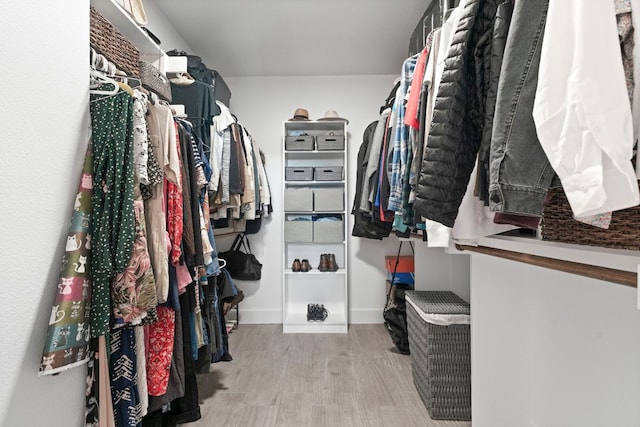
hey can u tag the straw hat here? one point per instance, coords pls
(135, 9)
(300, 114)
(333, 115)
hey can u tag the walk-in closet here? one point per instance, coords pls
(320, 213)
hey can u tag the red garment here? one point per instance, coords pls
(160, 351)
(174, 213)
(411, 114)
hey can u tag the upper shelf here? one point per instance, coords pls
(618, 259)
(149, 50)
(310, 125)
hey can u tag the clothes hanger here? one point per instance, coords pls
(100, 80)
(131, 81)
(98, 71)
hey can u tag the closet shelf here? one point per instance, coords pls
(296, 322)
(303, 183)
(149, 50)
(314, 272)
(612, 265)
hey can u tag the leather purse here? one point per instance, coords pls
(242, 265)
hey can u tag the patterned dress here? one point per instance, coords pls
(113, 214)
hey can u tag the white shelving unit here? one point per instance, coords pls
(304, 239)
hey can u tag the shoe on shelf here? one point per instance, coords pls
(305, 266)
(324, 265)
(310, 312)
(321, 313)
(331, 263)
(295, 267)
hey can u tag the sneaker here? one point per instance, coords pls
(321, 313)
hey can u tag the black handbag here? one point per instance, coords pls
(253, 225)
(242, 265)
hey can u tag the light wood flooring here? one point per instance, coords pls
(316, 380)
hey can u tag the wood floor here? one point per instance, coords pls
(316, 380)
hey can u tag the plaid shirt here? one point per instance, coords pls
(400, 137)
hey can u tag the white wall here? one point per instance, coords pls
(551, 349)
(437, 270)
(159, 25)
(44, 112)
(262, 104)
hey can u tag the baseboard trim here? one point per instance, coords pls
(260, 317)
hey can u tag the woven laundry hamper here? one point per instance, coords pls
(440, 344)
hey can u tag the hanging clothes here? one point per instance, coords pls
(586, 128)
(67, 341)
(455, 132)
(200, 106)
(133, 292)
(113, 222)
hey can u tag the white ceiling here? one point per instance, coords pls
(297, 37)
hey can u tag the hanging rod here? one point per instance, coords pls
(613, 275)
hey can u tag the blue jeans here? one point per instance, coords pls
(520, 173)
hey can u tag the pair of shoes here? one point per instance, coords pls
(328, 263)
(300, 266)
(226, 306)
(316, 312)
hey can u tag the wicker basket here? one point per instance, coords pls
(155, 81)
(558, 225)
(108, 41)
(440, 355)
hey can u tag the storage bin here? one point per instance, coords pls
(298, 231)
(559, 225)
(438, 323)
(328, 173)
(329, 142)
(298, 173)
(328, 231)
(302, 143)
(328, 200)
(298, 200)
(405, 263)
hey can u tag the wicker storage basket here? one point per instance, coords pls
(558, 225)
(440, 355)
(155, 81)
(108, 41)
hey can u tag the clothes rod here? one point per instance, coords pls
(619, 277)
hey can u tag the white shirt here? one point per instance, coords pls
(582, 111)
(220, 122)
(635, 19)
